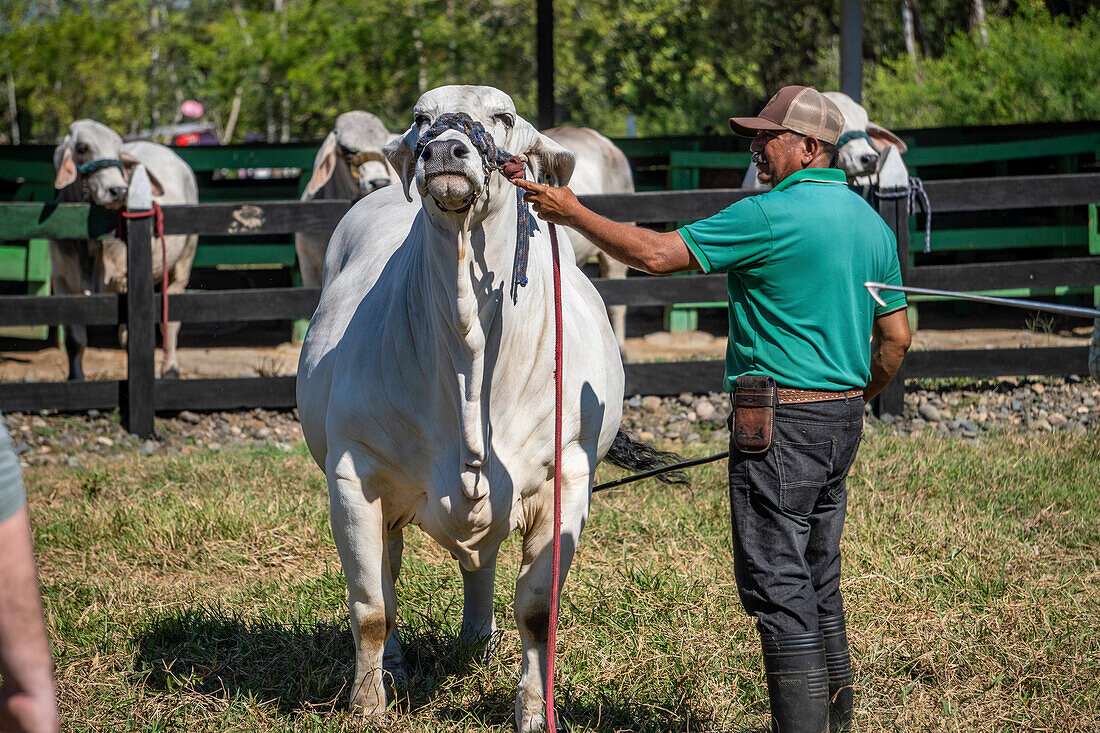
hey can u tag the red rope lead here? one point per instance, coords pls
(158, 232)
(555, 567)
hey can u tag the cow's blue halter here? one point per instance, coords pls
(492, 158)
(93, 165)
(853, 135)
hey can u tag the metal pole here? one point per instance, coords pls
(1036, 305)
(851, 49)
(545, 63)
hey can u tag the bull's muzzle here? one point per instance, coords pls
(451, 170)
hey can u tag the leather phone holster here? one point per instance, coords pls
(754, 413)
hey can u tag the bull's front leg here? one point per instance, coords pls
(170, 337)
(532, 607)
(358, 528)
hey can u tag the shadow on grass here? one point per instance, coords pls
(596, 711)
(309, 667)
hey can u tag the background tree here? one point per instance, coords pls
(280, 70)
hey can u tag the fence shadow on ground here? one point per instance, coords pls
(309, 667)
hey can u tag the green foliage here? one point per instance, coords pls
(283, 69)
(1035, 68)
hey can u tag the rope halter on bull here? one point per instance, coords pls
(511, 167)
(93, 165)
(492, 159)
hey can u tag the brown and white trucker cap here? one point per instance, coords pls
(799, 109)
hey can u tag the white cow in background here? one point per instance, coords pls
(862, 141)
(93, 165)
(601, 168)
(427, 394)
(348, 165)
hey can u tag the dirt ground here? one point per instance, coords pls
(280, 359)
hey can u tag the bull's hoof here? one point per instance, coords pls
(173, 373)
(368, 705)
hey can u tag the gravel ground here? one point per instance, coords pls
(1024, 405)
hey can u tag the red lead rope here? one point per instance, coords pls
(555, 567)
(512, 169)
(159, 232)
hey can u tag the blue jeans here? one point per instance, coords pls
(788, 508)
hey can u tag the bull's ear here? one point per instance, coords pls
(324, 165)
(401, 154)
(883, 137)
(129, 162)
(550, 163)
(63, 162)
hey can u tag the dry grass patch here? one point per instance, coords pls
(203, 593)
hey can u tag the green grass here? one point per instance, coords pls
(203, 593)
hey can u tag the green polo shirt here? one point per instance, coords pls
(796, 259)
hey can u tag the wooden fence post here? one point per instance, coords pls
(894, 209)
(137, 397)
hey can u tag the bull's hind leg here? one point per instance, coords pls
(478, 624)
(612, 268)
(533, 589)
(358, 529)
(393, 659)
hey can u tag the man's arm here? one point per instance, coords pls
(658, 253)
(890, 339)
(27, 702)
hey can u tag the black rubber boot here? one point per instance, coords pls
(798, 682)
(840, 672)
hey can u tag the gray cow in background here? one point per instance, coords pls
(349, 165)
(601, 168)
(93, 166)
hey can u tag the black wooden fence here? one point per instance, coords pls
(140, 395)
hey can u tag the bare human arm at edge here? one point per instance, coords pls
(27, 697)
(890, 339)
(658, 253)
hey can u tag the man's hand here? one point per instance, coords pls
(657, 253)
(555, 205)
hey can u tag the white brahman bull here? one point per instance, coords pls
(861, 141)
(601, 168)
(93, 165)
(348, 165)
(427, 394)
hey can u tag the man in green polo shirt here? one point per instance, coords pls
(800, 319)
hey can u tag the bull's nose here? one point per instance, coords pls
(445, 150)
(868, 160)
(116, 193)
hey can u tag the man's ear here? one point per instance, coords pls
(550, 162)
(64, 164)
(129, 162)
(401, 155)
(324, 165)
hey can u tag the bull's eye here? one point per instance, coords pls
(81, 148)
(421, 120)
(506, 119)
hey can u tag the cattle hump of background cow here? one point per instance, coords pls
(426, 392)
(348, 165)
(93, 165)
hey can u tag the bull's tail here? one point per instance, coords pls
(634, 455)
